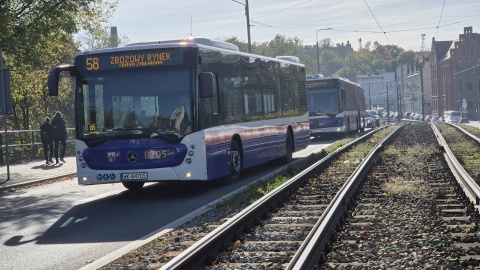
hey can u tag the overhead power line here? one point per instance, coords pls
(439, 20)
(283, 9)
(385, 33)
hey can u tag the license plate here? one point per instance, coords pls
(134, 176)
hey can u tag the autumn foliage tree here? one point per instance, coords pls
(35, 36)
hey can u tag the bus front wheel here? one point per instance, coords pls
(133, 186)
(235, 161)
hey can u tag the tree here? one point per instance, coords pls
(101, 38)
(329, 63)
(406, 57)
(35, 36)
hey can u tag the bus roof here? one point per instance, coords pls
(187, 42)
(314, 76)
(192, 40)
(289, 58)
(320, 77)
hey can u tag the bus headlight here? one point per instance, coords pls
(190, 153)
(188, 160)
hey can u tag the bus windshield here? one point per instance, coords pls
(146, 102)
(323, 102)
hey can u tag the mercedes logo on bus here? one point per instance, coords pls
(132, 157)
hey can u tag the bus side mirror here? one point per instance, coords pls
(54, 76)
(206, 81)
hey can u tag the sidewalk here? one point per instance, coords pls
(36, 171)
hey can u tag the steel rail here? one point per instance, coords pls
(466, 181)
(311, 250)
(473, 137)
(196, 255)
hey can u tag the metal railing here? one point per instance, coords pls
(26, 145)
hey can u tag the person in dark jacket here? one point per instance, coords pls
(59, 135)
(47, 141)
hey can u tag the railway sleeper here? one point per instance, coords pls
(259, 256)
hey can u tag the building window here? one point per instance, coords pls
(469, 86)
(460, 86)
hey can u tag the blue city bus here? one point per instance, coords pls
(336, 106)
(188, 109)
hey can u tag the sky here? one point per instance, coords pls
(389, 22)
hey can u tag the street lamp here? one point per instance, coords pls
(248, 23)
(318, 57)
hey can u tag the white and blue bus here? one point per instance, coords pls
(336, 106)
(190, 109)
(452, 116)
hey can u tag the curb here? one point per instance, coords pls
(39, 181)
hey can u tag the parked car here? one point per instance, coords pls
(435, 119)
(463, 120)
(370, 122)
(373, 114)
(418, 116)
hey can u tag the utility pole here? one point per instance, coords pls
(421, 86)
(4, 89)
(388, 108)
(248, 23)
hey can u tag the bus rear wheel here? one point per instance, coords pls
(235, 161)
(133, 186)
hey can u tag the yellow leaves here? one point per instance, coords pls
(365, 229)
(466, 230)
(385, 194)
(237, 243)
(330, 197)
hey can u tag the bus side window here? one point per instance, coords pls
(209, 101)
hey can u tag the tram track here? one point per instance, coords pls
(269, 232)
(420, 218)
(440, 221)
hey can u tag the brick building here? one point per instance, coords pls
(455, 75)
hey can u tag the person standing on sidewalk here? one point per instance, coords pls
(59, 135)
(47, 141)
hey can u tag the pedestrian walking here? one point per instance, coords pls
(47, 140)
(59, 135)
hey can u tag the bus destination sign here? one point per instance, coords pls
(131, 59)
(321, 84)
